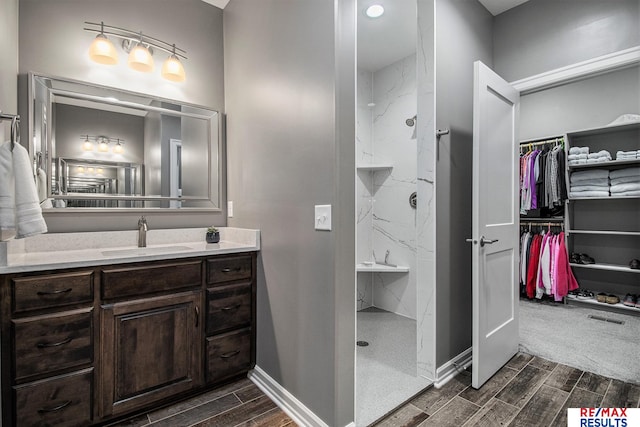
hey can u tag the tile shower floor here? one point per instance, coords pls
(386, 373)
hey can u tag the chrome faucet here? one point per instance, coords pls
(142, 232)
(386, 257)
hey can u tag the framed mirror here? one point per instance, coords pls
(103, 148)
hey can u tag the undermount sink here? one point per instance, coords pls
(146, 251)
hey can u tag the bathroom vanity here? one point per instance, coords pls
(94, 331)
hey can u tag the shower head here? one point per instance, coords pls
(412, 121)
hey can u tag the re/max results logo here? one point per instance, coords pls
(603, 417)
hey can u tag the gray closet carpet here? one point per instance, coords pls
(565, 334)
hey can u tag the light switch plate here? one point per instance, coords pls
(230, 209)
(323, 217)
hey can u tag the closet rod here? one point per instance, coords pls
(545, 142)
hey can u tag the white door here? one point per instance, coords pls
(495, 223)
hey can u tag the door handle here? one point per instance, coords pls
(475, 242)
(484, 241)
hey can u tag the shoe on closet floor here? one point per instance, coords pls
(634, 264)
(575, 258)
(586, 259)
(585, 294)
(601, 297)
(612, 299)
(630, 300)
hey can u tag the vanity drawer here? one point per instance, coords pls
(226, 269)
(50, 291)
(47, 343)
(228, 307)
(147, 279)
(59, 401)
(228, 355)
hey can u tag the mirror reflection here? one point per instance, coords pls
(98, 147)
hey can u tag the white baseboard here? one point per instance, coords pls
(452, 368)
(295, 409)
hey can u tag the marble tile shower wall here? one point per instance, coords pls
(386, 221)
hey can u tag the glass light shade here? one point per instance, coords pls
(80, 169)
(87, 146)
(103, 147)
(118, 149)
(375, 11)
(90, 170)
(140, 59)
(103, 51)
(173, 70)
(99, 171)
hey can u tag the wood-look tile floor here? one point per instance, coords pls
(528, 392)
(238, 404)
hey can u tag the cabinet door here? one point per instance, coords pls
(152, 349)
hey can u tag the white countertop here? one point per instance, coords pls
(69, 250)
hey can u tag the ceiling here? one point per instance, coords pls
(393, 36)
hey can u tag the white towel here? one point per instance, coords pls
(588, 175)
(627, 153)
(601, 153)
(7, 191)
(578, 162)
(624, 180)
(628, 193)
(625, 172)
(598, 160)
(29, 220)
(578, 156)
(579, 188)
(589, 194)
(621, 188)
(579, 150)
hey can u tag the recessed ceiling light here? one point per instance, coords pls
(375, 11)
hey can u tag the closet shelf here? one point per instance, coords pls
(381, 268)
(605, 198)
(609, 267)
(604, 306)
(605, 232)
(374, 167)
(606, 165)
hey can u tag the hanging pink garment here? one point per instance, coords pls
(566, 281)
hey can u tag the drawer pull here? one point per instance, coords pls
(55, 344)
(230, 354)
(61, 291)
(197, 315)
(55, 408)
(233, 307)
(229, 270)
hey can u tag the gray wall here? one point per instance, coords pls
(584, 104)
(463, 35)
(290, 132)
(542, 35)
(52, 41)
(8, 62)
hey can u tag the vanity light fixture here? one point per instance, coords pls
(103, 146)
(90, 170)
(140, 48)
(87, 145)
(375, 11)
(80, 169)
(118, 148)
(102, 50)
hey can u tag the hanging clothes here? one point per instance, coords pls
(542, 182)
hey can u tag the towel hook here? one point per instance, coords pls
(15, 131)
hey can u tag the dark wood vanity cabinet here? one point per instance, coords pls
(88, 346)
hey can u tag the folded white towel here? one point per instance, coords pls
(578, 162)
(601, 153)
(624, 180)
(635, 171)
(29, 220)
(579, 150)
(7, 191)
(621, 188)
(634, 193)
(578, 156)
(589, 194)
(627, 153)
(589, 174)
(579, 188)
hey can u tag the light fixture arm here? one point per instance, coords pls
(136, 37)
